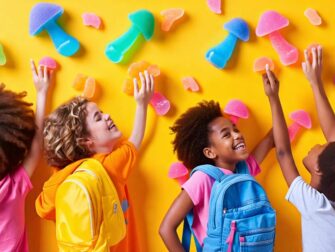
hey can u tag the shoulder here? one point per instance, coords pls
(307, 198)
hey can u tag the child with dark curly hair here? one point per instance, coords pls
(20, 151)
(315, 200)
(204, 136)
(79, 130)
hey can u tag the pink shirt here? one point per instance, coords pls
(13, 191)
(199, 187)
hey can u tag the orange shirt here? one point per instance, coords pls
(118, 164)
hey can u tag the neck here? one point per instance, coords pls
(315, 181)
(103, 149)
(226, 165)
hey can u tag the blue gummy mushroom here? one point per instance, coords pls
(220, 54)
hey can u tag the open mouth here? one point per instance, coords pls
(239, 146)
(111, 126)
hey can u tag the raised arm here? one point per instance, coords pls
(312, 70)
(280, 133)
(42, 79)
(263, 148)
(177, 212)
(142, 97)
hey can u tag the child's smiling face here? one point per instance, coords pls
(103, 132)
(227, 145)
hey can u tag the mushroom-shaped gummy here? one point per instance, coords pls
(269, 24)
(236, 109)
(43, 16)
(143, 23)
(179, 172)
(301, 119)
(220, 54)
(160, 104)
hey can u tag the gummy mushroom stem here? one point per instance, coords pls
(234, 119)
(288, 53)
(117, 48)
(65, 44)
(223, 51)
(293, 130)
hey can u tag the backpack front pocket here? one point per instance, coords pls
(257, 242)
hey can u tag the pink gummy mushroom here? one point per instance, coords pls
(179, 172)
(300, 119)
(48, 62)
(160, 104)
(269, 24)
(236, 109)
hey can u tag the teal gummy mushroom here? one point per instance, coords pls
(143, 23)
(43, 16)
(220, 54)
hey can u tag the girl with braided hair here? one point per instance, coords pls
(20, 151)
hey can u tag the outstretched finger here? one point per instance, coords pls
(143, 87)
(45, 73)
(306, 56)
(147, 80)
(152, 86)
(135, 86)
(33, 68)
(315, 57)
(319, 55)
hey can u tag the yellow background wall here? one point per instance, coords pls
(178, 53)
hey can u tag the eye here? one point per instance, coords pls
(226, 135)
(236, 130)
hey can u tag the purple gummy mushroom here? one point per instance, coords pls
(43, 16)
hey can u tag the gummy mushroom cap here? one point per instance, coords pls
(144, 21)
(237, 108)
(239, 28)
(269, 22)
(302, 118)
(177, 170)
(41, 15)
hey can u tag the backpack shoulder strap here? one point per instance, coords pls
(188, 232)
(210, 170)
(242, 168)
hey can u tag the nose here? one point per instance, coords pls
(237, 135)
(106, 117)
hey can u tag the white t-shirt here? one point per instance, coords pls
(317, 216)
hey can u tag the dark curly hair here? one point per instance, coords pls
(17, 129)
(191, 130)
(63, 131)
(326, 162)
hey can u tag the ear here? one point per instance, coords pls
(317, 171)
(87, 142)
(209, 153)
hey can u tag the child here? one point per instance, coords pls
(314, 201)
(205, 136)
(78, 130)
(20, 151)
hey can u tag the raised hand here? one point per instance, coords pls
(144, 95)
(270, 82)
(41, 77)
(312, 68)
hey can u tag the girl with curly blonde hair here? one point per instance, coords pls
(79, 130)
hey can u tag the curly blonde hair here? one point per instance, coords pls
(17, 129)
(64, 131)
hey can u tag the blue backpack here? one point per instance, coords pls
(240, 215)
